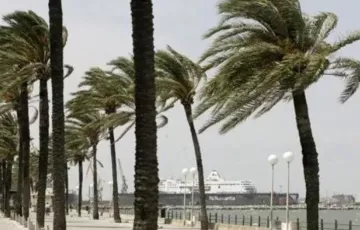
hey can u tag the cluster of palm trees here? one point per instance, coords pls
(263, 51)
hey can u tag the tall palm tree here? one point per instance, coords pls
(58, 122)
(2, 185)
(146, 163)
(2, 191)
(178, 79)
(76, 152)
(19, 64)
(106, 92)
(87, 128)
(276, 55)
(31, 32)
(44, 141)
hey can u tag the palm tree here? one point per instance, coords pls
(146, 163)
(76, 152)
(11, 101)
(112, 94)
(124, 68)
(177, 80)
(86, 127)
(106, 92)
(18, 64)
(2, 191)
(57, 83)
(8, 151)
(276, 55)
(31, 32)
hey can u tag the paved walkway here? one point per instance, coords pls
(6, 224)
(105, 223)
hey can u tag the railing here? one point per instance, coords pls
(262, 221)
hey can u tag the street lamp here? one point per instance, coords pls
(90, 186)
(273, 160)
(185, 172)
(193, 173)
(110, 183)
(77, 190)
(289, 157)
(78, 195)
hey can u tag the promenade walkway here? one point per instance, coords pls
(6, 224)
(86, 223)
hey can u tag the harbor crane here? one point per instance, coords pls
(124, 186)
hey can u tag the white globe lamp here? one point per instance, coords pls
(288, 157)
(273, 160)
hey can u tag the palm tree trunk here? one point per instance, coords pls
(25, 133)
(66, 189)
(58, 125)
(310, 160)
(43, 153)
(3, 184)
(80, 165)
(19, 195)
(8, 181)
(95, 186)
(115, 192)
(199, 164)
(146, 163)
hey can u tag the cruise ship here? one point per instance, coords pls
(218, 192)
(214, 184)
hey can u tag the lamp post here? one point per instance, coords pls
(77, 193)
(90, 187)
(185, 172)
(78, 197)
(289, 157)
(273, 160)
(193, 173)
(110, 183)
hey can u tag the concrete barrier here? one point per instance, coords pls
(292, 226)
(130, 218)
(31, 225)
(174, 222)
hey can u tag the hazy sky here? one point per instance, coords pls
(101, 30)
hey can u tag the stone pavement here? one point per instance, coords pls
(105, 223)
(6, 224)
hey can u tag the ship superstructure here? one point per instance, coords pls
(214, 184)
